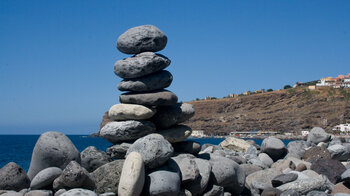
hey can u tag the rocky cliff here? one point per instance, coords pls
(288, 110)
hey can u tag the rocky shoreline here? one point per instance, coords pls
(154, 166)
(151, 156)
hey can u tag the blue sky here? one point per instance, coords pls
(56, 63)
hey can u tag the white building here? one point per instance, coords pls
(198, 133)
(342, 128)
(305, 133)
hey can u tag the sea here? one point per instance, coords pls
(18, 148)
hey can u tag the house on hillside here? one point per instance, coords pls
(298, 84)
(343, 128)
(341, 81)
(198, 133)
(247, 93)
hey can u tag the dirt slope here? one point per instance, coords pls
(285, 111)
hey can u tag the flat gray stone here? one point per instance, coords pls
(168, 116)
(296, 149)
(340, 152)
(155, 150)
(140, 65)
(118, 151)
(79, 192)
(152, 98)
(317, 193)
(107, 176)
(159, 80)
(283, 179)
(290, 193)
(317, 135)
(130, 112)
(45, 178)
(163, 181)
(13, 177)
(188, 167)
(177, 133)
(307, 185)
(264, 176)
(74, 176)
(120, 131)
(53, 149)
(140, 39)
(249, 169)
(91, 158)
(274, 147)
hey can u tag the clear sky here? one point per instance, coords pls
(56, 57)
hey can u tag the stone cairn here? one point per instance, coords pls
(150, 155)
(146, 107)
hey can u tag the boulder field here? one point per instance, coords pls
(151, 155)
(153, 166)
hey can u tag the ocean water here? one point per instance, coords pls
(18, 148)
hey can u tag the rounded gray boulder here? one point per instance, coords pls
(274, 147)
(13, 177)
(120, 131)
(45, 178)
(140, 39)
(91, 158)
(53, 149)
(155, 150)
(152, 98)
(159, 80)
(163, 181)
(317, 135)
(140, 65)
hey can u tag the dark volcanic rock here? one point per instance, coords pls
(315, 153)
(13, 177)
(120, 131)
(118, 151)
(74, 176)
(153, 98)
(155, 150)
(333, 169)
(214, 190)
(140, 39)
(274, 148)
(107, 176)
(168, 116)
(140, 65)
(159, 80)
(340, 152)
(91, 158)
(283, 178)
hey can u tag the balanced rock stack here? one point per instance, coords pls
(146, 107)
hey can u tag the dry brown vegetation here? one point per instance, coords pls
(289, 110)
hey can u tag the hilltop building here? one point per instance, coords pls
(341, 81)
(343, 128)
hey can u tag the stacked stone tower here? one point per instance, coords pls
(146, 107)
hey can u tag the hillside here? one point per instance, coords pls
(288, 110)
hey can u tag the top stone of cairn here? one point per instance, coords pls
(145, 38)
